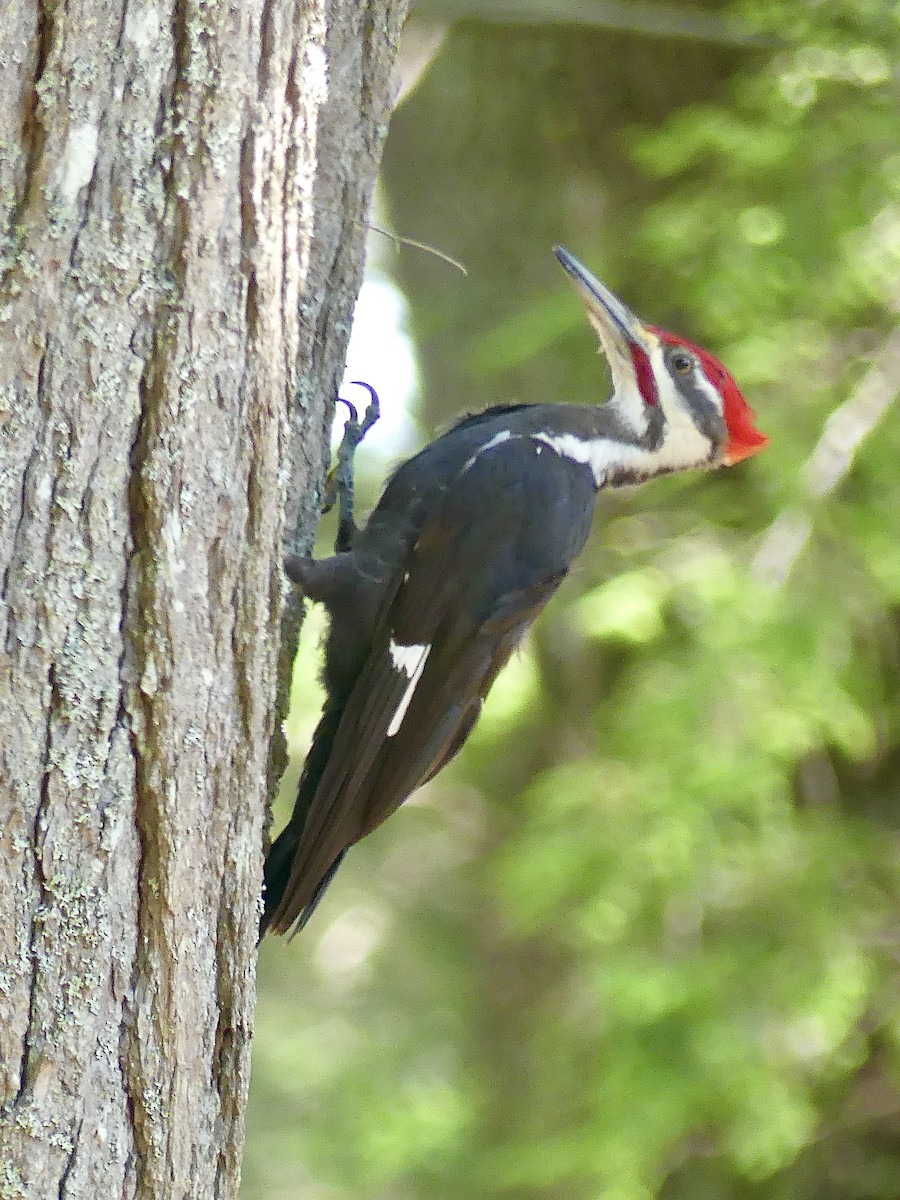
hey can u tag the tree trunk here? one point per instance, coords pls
(183, 195)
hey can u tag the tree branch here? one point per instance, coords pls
(830, 462)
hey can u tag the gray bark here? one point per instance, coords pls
(183, 195)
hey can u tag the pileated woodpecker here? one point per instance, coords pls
(468, 543)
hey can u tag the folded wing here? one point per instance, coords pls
(481, 569)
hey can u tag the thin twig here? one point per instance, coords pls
(405, 241)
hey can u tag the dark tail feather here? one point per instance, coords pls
(280, 859)
(277, 872)
(318, 893)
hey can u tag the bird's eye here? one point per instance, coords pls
(682, 362)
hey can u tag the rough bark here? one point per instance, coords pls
(183, 193)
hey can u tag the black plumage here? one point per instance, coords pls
(468, 543)
(461, 554)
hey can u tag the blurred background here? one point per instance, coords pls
(640, 940)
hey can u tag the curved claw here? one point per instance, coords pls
(339, 482)
(373, 411)
(354, 415)
(373, 395)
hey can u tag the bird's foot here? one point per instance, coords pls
(339, 484)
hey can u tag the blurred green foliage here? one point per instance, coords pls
(640, 941)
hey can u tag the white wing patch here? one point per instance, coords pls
(411, 661)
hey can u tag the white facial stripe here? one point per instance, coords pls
(683, 443)
(411, 661)
(683, 446)
(709, 391)
(598, 453)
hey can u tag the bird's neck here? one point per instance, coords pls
(625, 443)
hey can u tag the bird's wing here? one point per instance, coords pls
(486, 561)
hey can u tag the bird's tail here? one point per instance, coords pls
(277, 873)
(280, 859)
